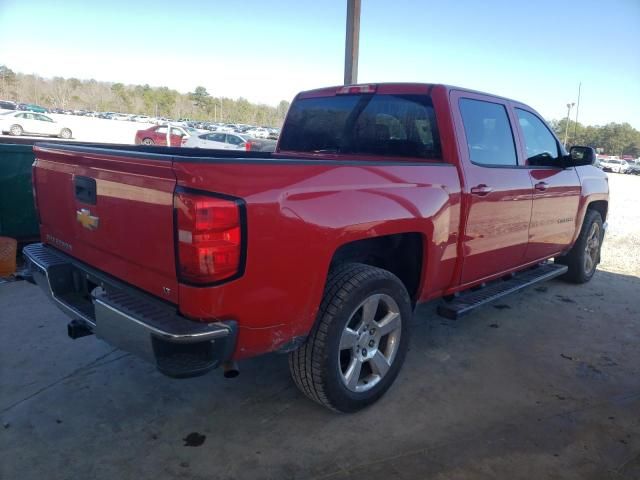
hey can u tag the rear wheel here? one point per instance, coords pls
(16, 130)
(147, 141)
(359, 342)
(65, 133)
(584, 257)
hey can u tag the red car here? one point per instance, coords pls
(157, 135)
(377, 198)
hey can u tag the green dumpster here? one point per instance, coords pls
(17, 213)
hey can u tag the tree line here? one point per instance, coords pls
(93, 95)
(610, 139)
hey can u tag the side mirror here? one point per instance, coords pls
(579, 156)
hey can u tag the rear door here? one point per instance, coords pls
(497, 188)
(234, 142)
(46, 125)
(177, 134)
(217, 140)
(556, 190)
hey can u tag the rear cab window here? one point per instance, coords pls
(386, 125)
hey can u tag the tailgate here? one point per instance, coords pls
(112, 210)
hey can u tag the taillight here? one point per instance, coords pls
(247, 146)
(209, 236)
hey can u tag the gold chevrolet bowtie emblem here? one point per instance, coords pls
(87, 220)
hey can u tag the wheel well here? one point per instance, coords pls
(600, 206)
(401, 254)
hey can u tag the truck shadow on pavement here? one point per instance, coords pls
(545, 382)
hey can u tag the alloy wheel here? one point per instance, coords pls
(369, 342)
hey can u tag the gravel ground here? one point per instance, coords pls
(621, 249)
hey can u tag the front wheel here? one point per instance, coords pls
(355, 350)
(584, 257)
(65, 133)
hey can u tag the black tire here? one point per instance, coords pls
(147, 141)
(65, 133)
(316, 366)
(16, 130)
(576, 258)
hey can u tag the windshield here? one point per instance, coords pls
(390, 125)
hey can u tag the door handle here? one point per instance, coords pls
(481, 190)
(542, 186)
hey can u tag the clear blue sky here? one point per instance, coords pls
(534, 51)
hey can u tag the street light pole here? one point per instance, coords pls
(352, 42)
(575, 128)
(566, 127)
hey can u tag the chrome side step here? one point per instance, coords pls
(472, 299)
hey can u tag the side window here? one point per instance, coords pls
(488, 132)
(540, 144)
(217, 137)
(161, 130)
(233, 140)
(178, 132)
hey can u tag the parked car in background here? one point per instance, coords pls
(229, 141)
(614, 165)
(634, 167)
(31, 107)
(142, 119)
(274, 133)
(18, 123)
(7, 105)
(157, 135)
(258, 132)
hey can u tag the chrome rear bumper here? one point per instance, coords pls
(130, 319)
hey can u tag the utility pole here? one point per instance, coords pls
(352, 42)
(575, 128)
(566, 127)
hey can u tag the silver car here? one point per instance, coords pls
(219, 141)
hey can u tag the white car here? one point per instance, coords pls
(18, 123)
(614, 165)
(218, 140)
(119, 116)
(258, 132)
(226, 128)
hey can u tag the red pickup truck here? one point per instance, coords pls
(378, 197)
